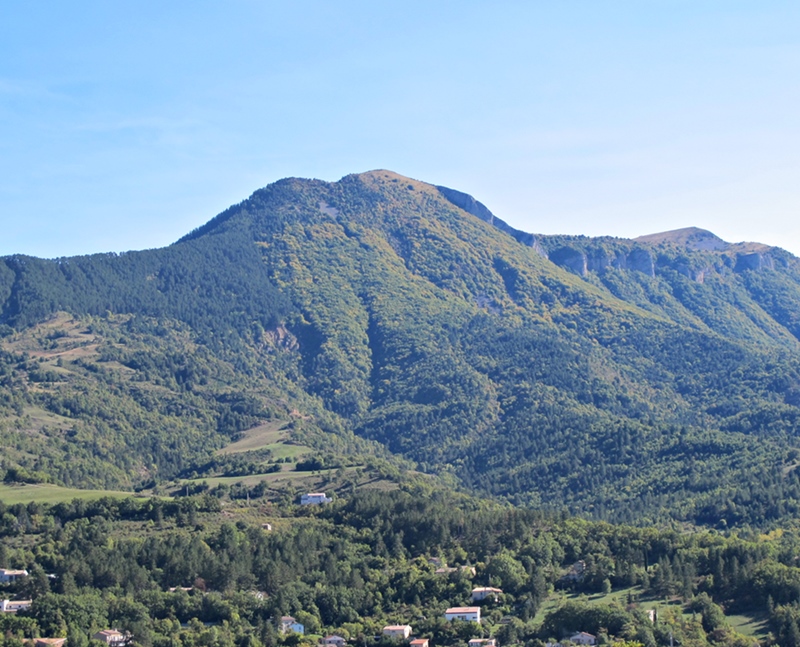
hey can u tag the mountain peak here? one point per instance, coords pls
(691, 237)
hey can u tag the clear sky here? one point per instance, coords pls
(123, 125)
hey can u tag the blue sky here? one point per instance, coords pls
(125, 125)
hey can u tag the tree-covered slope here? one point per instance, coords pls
(625, 379)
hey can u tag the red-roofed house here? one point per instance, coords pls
(399, 632)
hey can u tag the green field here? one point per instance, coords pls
(271, 435)
(749, 626)
(329, 480)
(10, 494)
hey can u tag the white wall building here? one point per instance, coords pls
(12, 606)
(11, 575)
(399, 632)
(314, 498)
(480, 593)
(467, 614)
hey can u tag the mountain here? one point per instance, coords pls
(382, 316)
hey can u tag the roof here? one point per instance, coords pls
(419, 641)
(463, 610)
(583, 633)
(486, 589)
(396, 627)
(109, 632)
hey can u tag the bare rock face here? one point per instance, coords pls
(571, 259)
(599, 260)
(755, 261)
(694, 273)
(280, 337)
(641, 260)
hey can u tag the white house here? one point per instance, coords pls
(12, 606)
(483, 642)
(112, 637)
(290, 625)
(576, 571)
(467, 614)
(334, 641)
(398, 632)
(583, 638)
(11, 575)
(482, 592)
(420, 642)
(314, 498)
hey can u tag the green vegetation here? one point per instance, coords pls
(371, 559)
(318, 326)
(48, 493)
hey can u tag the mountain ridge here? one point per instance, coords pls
(415, 324)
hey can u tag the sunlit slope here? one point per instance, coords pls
(628, 379)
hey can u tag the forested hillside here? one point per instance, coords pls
(627, 380)
(192, 573)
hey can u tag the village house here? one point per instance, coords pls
(334, 641)
(8, 575)
(467, 614)
(111, 637)
(480, 593)
(444, 570)
(12, 606)
(576, 572)
(583, 638)
(315, 498)
(49, 642)
(420, 642)
(483, 642)
(397, 632)
(290, 625)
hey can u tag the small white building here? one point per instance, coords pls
(398, 632)
(480, 593)
(444, 570)
(290, 625)
(12, 606)
(483, 642)
(576, 571)
(583, 638)
(420, 642)
(314, 498)
(112, 637)
(334, 641)
(467, 614)
(8, 575)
